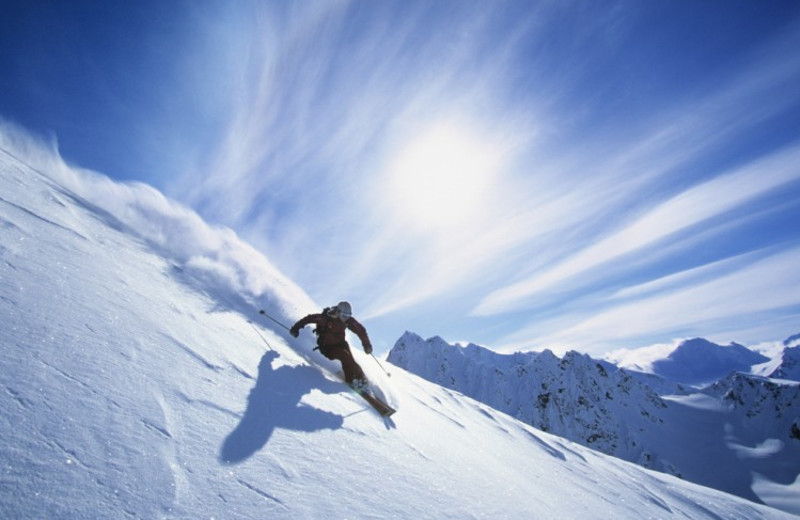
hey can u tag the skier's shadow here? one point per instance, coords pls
(274, 402)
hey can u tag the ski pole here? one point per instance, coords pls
(269, 347)
(379, 364)
(273, 319)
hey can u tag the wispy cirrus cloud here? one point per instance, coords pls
(768, 284)
(692, 207)
(326, 102)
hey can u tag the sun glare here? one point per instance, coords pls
(442, 178)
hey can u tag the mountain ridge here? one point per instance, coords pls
(638, 417)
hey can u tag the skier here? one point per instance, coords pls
(331, 325)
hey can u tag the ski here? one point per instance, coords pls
(382, 408)
(376, 402)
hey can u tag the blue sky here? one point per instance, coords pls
(587, 174)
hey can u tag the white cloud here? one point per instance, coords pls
(693, 206)
(731, 300)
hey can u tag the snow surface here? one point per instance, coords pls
(138, 381)
(789, 367)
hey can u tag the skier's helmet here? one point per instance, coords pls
(345, 311)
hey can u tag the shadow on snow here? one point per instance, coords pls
(274, 402)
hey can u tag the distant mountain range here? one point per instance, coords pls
(698, 361)
(722, 416)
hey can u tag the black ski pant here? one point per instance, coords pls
(352, 370)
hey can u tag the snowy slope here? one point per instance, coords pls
(789, 364)
(737, 436)
(133, 385)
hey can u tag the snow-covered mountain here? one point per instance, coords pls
(788, 365)
(693, 362)
(137, 382)
(741, 435)
(576, 397)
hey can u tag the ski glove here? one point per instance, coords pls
(294, 332)
(368, 348)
